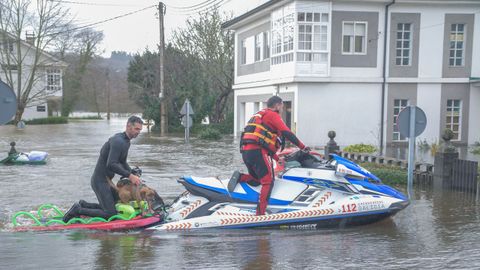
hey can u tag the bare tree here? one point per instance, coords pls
(84, 47)
(23, 61)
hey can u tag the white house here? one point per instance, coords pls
(352, 65)
(48, 87)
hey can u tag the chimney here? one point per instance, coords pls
(30, 37)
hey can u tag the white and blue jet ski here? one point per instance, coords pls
(310, 194)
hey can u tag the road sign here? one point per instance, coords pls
(8, 103)
(186, 121)
(411, 122)
(186, 108)
(403, 121)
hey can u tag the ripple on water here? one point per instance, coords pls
(434, 232)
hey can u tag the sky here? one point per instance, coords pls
(133, 33)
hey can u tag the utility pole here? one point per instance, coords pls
(108, 93)
(162, 94)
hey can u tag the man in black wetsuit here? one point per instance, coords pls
(112, 160)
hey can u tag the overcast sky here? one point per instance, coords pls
(134, 33)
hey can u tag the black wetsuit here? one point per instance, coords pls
(112, 160)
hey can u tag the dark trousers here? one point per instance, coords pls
(107, 197)
(260, 169)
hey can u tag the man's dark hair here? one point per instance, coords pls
(134, 119)
(274, 101)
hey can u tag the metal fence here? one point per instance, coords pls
(464, 175)
(423, 173)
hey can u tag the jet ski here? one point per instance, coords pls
(310, 193)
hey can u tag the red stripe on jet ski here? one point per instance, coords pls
(190, 208)
(233, 214)
(274, 217)
(179, 226)
(323, 199)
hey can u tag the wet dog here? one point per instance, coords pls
(128, 192)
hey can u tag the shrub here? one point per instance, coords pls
(388, 174)
(48, 120)
(423, 145)
(210, 133)
(360, 148)
(93, 117)
(476, 149)
(434, 148)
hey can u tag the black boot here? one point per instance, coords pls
(71, 213)
(233, 181)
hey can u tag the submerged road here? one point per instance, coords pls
(437, 231)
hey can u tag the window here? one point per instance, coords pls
(283, 31)
(288, 33)
(457, 41)
(276, 42)
(403, 45)
(453, 121)
(305, 37)
(398, 106)
(7, 46)
(266, 45)
(354, 38)
(312, 37)
(243, 56)
(41, 108)
(54, 80)
(258, 47)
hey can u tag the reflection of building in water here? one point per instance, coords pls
(122, 251)
(263, 259)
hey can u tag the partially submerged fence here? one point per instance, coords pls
(450, 173)
(463, 175)
(423, 173)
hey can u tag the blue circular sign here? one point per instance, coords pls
(8, 103)
(403, 121)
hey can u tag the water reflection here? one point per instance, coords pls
(261, 258)
(436, 231)
(117, 250)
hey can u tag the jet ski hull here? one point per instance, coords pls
(330, 210)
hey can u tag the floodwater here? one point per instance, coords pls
(437, 231)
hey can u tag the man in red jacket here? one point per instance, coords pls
(259, 143)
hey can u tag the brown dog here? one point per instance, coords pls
(128, 192)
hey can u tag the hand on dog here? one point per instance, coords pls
(135, 179)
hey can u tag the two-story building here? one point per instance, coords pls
(46, 94)
(351, 66)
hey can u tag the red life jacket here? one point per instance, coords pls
(256, 132)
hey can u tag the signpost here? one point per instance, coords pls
(8, 103)
(411, 122)
(187, 121)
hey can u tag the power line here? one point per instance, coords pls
(103, 21)
(91, 3)
(212, 5)
(204, 3)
